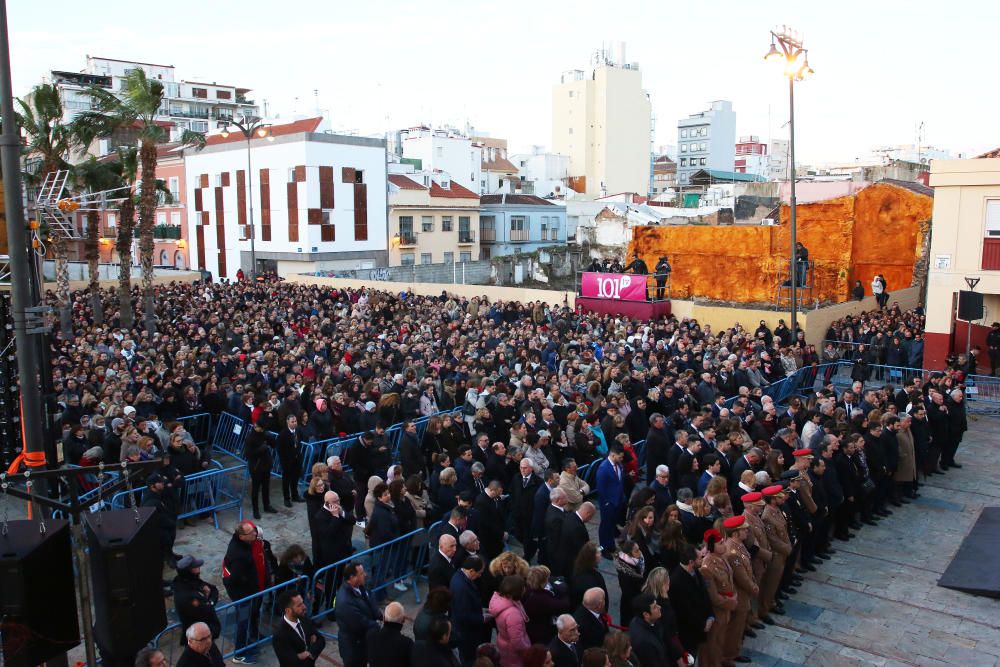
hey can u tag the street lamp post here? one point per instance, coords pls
(250, 126)
(796, 58)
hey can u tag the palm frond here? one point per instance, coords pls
(193, 139)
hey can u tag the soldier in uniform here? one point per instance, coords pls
(718, 576)
(737, 532)
(760, 551)
(780, 546)
(805, 493)
(797, 521)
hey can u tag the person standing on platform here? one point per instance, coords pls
(662, 276)
(639, 268)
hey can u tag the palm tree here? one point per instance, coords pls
(128, 169)
(49, 141)
(136, 106)
(95, 176)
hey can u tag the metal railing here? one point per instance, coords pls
(487, 234)
(208, 492)
(466, 236)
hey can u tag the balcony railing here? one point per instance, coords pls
(487, 235)
(519, 235)
(466, 236)
(166, 232)
(408, 239)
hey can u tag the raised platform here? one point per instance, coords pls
(969, 571)
(643, 310)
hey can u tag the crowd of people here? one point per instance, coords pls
(709, 524)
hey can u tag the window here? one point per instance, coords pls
(425, 258)
(201, 93)
(484, 252)
(445, 223)
(571, 130)
(112, 219)
(684, 148)
(554, 232)
(175, 219)
(993, 217)
(684, 134)
(218, 180)
(406, 225)
(449, 258)
(684, 162)
(359, 176)
(487, 228)
(406, 259)
(223, 95)
(465, 257)
(427, 223)
(519, 228)
(991, 244)
(175, 189)
(291, 174)
(161, 218)
(704, 147)
(464, 229)
(199, 126)
(701, 162)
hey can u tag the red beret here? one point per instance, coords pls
(751, 497)
(773, 490)
(802, 452)
(734, 522)
(712, 534)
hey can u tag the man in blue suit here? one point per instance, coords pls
(712, 467)
(541, 505)
(611, 494)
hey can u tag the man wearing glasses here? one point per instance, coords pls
(200, 651)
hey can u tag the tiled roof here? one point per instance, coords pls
(991, 154)
(499, 164)
(454, 191)
(912, 186)
(404, 182)
(514, 200)
(295, 127)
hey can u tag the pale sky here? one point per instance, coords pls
(882, 66)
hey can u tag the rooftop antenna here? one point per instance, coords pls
(265, 107)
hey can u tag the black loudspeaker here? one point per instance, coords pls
(126, 568)
(38, 618)
(970, 306)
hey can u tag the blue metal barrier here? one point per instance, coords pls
(235, 617)
(982, 394)
(200, 428)
(208, 492)
(95, 496)
(389, 563)
(231, 434)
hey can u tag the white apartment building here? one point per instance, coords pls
(445, 150)
(187, 105)
(602, 120)
(542, 174)
(778, 169)
(318, 202)
(751, 157)
(706, 140)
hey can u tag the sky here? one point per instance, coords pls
(882, 66)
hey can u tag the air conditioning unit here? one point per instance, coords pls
(767, 222)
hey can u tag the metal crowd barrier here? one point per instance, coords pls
(237, 618)
(200, 428)
(982, 394)
(96, 497)
(211, 491)
(230, 435)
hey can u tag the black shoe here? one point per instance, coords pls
(914, 495)
(767, 620)
(905, 501)
(943, 469)
(807, 568)
(789, 590)
(843, 537)
(607, 554)
(298, 500)
(749, 633)
(954, 465)
(851, 536)
(757, 625)
(869, 522)
(288, 503)
(270, 510)
(854, 525)
(780, 596)
(741, 658)
(796, 580)
(829, 551)
(823, 557)
(779, 610)
(256, 515)
(895, 503)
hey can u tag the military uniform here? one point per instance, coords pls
(781, 547)
(746, 589)
(722, 592)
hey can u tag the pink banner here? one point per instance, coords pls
(613, 286)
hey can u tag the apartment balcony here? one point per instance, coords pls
(188, 114)
(466, 237)
(109, 233)
(520, 235)
(487, 235)
(166, 233)
(407, 239)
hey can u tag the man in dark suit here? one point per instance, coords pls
(611, 495)
(539, 515)
(687, 471)
(564, 648)
(523, 489)
(200, 651)
(647, 644)
(388, 646)
(574, 536)
(658, 441)
(689, 598)
(555, 517)
(467, 609)
(749, 461)
(296, 641)
(288, 453)
(356, 615)
(590, 619)
(491, 530)
(456, 523)
(443, 564)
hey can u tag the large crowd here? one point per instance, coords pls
(710, 523)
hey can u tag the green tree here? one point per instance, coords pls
(136, 105)
(94, 176)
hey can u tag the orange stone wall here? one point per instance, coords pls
(848, 238)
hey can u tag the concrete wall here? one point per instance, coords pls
(551, 297)
(468, 273)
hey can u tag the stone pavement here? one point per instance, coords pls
(876, 602)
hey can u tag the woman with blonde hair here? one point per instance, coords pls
(542, 603)
(370, 499)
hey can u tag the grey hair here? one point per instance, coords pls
(562, 620)
(652, 417)
(478, 467)
(193, 628)
(557, 494)
(467, 537)
(685, 495)
(662, 470)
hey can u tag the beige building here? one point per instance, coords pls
(601, 119)
(432, 220)
(965, 243)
